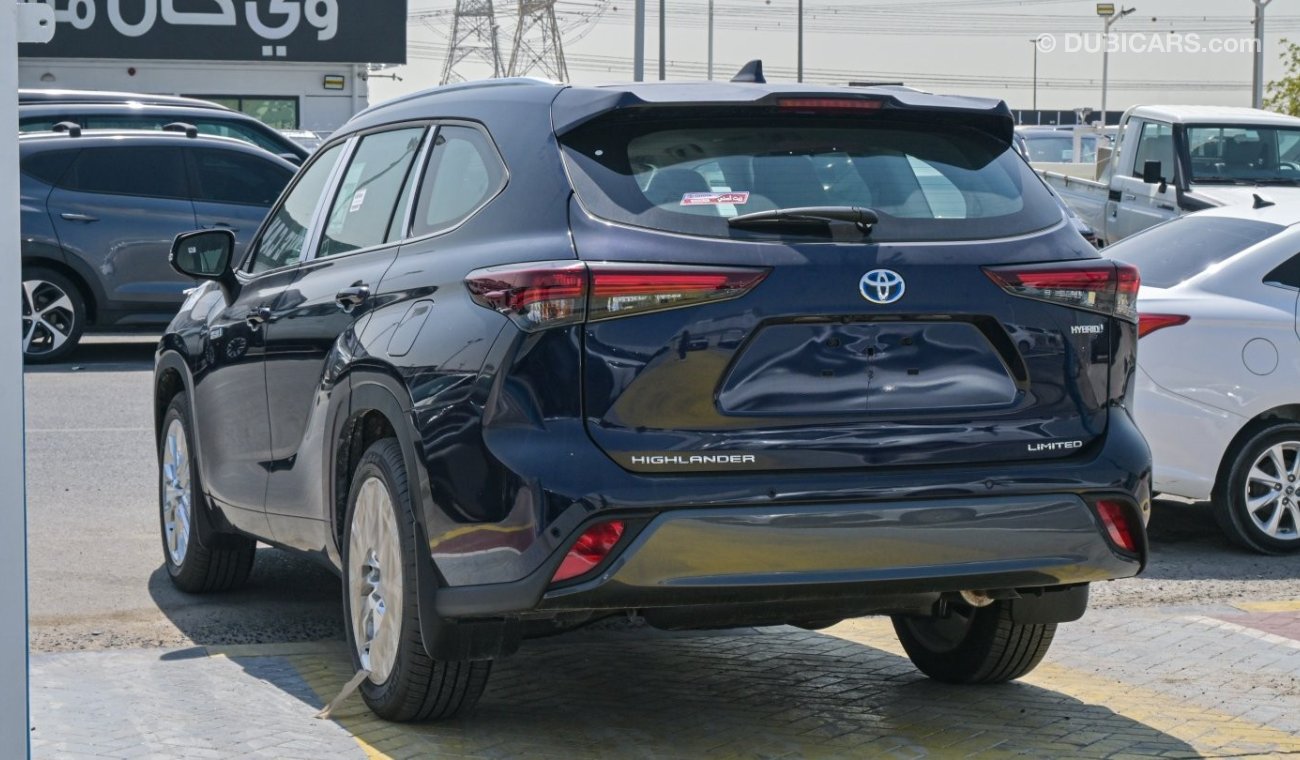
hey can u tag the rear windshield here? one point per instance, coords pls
(942, 183)
(1182, 248)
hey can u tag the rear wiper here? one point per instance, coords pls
(862, 218)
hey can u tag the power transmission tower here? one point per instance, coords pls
(473, 35)
(538, 43)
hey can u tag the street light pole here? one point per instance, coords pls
(1257, 93)
(1109, 21)
(638, 41)
(710, 39)
(800, 68)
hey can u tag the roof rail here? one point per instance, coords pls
(179, 126)
(71, 127)
(461, 86)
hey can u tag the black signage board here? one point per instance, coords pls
(329, 31)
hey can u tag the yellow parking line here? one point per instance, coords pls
(1284, 605)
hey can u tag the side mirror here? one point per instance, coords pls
(1152, 173)
(205, 255)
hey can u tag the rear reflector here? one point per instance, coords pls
(830, 104)
(589, 550)
(550, 294)
(1101, 286)
(1149, 323)
(1114, 516)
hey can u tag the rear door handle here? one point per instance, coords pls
(257, 317)
(1130, 197)
(1166, 207)
(351, 297)
(79, 217)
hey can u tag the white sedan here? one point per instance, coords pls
(1218, 377)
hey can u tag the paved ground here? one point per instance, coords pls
(1201, 656)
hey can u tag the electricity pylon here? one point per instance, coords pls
(473, 35)
(538, 44)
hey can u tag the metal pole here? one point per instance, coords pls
(15, 733)
(710, 39)
(800, 72)
(638, 42)
(1035, 41)
(663, 42)
(1257, 97)
(1108, 22)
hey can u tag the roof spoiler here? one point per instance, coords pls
(576, 106)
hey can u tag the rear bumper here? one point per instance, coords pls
(826, 553)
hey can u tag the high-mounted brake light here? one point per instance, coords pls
(1149, 323)
(1114, 517)
(1103, 286)
(830, 104)
(551, 294)
(591, 548)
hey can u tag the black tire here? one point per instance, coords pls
(1230, 493)
(211, 561)
(50, 331)
(416, 687)
(974, 645)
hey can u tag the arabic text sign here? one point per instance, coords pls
(338, 31)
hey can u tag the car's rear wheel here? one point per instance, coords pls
(380, 601)
(199, 559)
(1257, 502)
(54, 315)
(974, 645)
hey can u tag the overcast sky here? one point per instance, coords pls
(974, 47)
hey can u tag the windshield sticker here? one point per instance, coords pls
(715, 199)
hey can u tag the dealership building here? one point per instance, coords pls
(295, 64)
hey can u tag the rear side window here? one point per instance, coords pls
(157, 172)
(1182, 248)
(464, 173)
(926, 183)
(227, 176)
(48, 166)
(363, 208)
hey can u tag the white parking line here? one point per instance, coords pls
(1271, 638)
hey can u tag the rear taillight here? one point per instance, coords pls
(538, 296)
(1149, 323)
(591, 548)
(1106, 287)
(1115, 518)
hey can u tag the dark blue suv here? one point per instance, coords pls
(515, 357)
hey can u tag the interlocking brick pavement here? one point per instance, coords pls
(1120, 683)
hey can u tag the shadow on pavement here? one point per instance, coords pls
(771, 693)
(289, 598)
(1187, 544)
(105, 354)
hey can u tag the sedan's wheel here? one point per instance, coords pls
(53, 315)
(380, 601)
(1258, 502)
(198, 558)
(974, 645)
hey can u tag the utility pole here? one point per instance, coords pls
(800, 68)
(638, 41)
(1257, 97)
(663, 42)
(1109, 17)
(710, 39)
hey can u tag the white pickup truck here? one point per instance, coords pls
(1172, 160)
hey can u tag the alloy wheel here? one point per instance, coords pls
(1273, 491)
(375, 579)
(49, 317)
(177, 495)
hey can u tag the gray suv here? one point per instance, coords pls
(100, 210)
